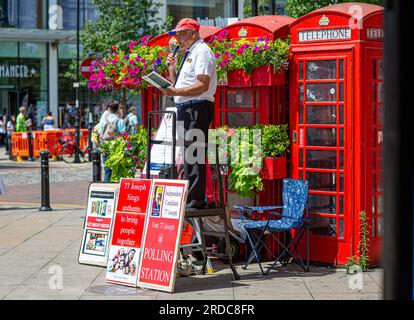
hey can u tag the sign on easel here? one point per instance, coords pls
(98, 223)
(161, 241)
(127, 231)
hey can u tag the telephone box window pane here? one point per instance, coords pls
(380, 92)
(321, 114)
(321, 137)
(323, 69)
(341, 114)
(341, 182)
(323, 226)
(240, 99)
(301, 93)
(341, 92)
(222, 118)
(374, 92)
(341, 69)
(239, 119)
(322, 204)
(380, 72)
(374, 69)
(301, 71)
(324, 159)
(380, 184)
(317, 92)
(380, 204)
(341, 228)
(374, 225)
(301, 175)
(301, 158)
(301, 114)
(341, 160)
(341, 205)
(341, 137)
(380, 226)
(321, 181)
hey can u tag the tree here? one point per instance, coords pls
(297, 8)
(119, 22)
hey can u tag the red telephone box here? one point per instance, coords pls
(335, 120)
(258, 98)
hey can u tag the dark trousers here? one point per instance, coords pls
(196, 115)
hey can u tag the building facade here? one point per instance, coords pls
(38, 42)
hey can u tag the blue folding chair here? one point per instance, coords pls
(294, 216)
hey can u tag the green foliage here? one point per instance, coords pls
(275, 140)
(126, 154)
(244, 151)
(298, 8)
(119, 22)
(362, 258)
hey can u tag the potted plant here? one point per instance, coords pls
(275, 143)
(250, 62)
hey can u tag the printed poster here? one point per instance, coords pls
(98, 223)
(160, 246)
(129, 224)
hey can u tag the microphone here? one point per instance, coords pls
(176, 48)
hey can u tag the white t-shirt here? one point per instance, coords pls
(200, 60)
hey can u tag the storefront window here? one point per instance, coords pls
(69, 9)
(24, 14)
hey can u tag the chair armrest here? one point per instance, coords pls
(263, 208)
(287, 217)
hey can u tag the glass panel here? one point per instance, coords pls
(341, 205)
(321, 159)
(222, 122)
(374, 69)
(323, 69)
(238, 119)
(373, 205)
(322, 204)
(380, 204)
(380, 73)
(321, 114)
(301, 93)
(341, 114)
(373, 92)
(301, 71)
(321, 181)
(32, 50)
(321, 137)
(300, 175)
(341, 137)
(380, 92)
(317, 92)
(240, 99)
(323, 226)
(373, 226)
(341, 160)
(301, 114)
(374, 182)
(380, 226)
(8, 49)
(341, 92)
(380, 182)
(301, 158)
(341, 228)
(341, 69)
(341, 182)
(374, 115)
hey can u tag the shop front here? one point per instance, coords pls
(24, 79)
(336, 126)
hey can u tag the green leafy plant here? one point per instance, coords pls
(362, 258)
(125, 154)
(243, 156)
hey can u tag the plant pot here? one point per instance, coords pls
(265, 76)
(273, 168)
(239, 78)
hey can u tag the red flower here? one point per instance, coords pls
(114, 47)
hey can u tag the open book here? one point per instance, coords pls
(157, 80)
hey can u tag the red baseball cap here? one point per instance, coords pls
(185, 24)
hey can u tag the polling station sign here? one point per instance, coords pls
(161, 241)
(128, 227)
(98, 223)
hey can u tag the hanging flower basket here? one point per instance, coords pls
(238, 78)
(265, 76)
(273, 168)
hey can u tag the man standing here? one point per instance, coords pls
(21, 120)
(193, 92)
(131, 121)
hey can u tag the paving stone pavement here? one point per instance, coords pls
(35, 245)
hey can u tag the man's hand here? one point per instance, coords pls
(171, 61)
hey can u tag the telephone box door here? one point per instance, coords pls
(321, 120)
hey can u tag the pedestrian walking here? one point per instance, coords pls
(131, 121)
(21, 120)
(48, 122)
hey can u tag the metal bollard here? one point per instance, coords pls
(96, 166)
(44, 167)
(30, 143)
